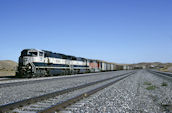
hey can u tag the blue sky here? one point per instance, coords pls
(122, 31)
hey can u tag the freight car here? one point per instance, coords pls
(37, 63)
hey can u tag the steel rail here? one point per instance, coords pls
(160, 73)
(11, 84)
(11, 106)
(61, 106)
(6, 78)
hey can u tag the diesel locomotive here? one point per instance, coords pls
(39, 63)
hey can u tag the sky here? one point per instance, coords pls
(121, 31)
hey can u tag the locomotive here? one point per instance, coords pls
(39, 63)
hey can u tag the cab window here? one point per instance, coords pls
(32, 53)
(40, 53)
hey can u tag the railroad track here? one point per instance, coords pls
(6, 78)
(21, 81)
(161, 73)
(58, 100)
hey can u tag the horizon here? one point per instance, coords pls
(124, 32)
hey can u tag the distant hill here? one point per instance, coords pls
(7, 65)
(158, 65)
(167, 67)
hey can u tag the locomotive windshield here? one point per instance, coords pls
(32, 53)
(29, 53)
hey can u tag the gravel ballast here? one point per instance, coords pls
(61, 98)
(142, 92)
(20, 92)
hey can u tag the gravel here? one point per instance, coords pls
(58, 99)
(25, 91)
(17, 80)
(142, 92)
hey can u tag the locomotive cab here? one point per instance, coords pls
(31, 56)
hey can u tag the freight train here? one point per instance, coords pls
(39, 63)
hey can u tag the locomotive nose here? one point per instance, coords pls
(25, 61)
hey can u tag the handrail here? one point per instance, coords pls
(33, 67)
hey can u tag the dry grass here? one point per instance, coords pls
(7, 73)
(7, 67)
(152, 87)
(147, 83)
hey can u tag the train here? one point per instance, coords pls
(41, 63)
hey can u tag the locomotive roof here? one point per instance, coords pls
(69, 56)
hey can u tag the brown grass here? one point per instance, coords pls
(7, 73)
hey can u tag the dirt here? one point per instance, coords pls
(7, 73)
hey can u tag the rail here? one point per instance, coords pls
(160, 73)
(8, 107)
(61, 106)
